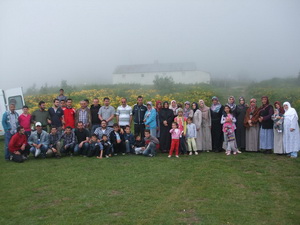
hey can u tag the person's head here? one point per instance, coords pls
(189, 120)
(127, 129)
(62, 103)
(103, 124)
(147, 133)
(94, 137)
(242, 100)
(231, 100)
(38, 127)
(104, 137)
(173, 104)
(69, 102)
(179, 105)
(166, 105)
(80, 125)
(194, 105)
(61, 91)
(25, 109)
(180, 112)
(201, 103)
(253, 102)
(82, 104)
(139, 100)
(174, 125)
(56, 102)
(86, 102)
(277, 105)
(215, 100)
(53, 130)
(137, 137)
(68, 130)
(116, 127)
(149, 105)
(21, 130)
(106, 101)
(227, 109)
(286, 106)
(95, 101)
(123, 102)
(265, 100)
(42, 105)
(187, 105)
(158, 105)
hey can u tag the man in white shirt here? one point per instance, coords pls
(124, 114)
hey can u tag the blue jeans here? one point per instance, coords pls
(83, 150)
(70, 149)
(153, 132)
(94, 127)
(150, 149)
(44, 149)
(128, 147)
(8, 136)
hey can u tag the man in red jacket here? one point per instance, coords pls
(18, 146)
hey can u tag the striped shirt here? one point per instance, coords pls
(124, 114)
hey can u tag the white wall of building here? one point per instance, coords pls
(185, 77)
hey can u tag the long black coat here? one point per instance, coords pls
(165, 136)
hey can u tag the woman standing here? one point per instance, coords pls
(150, 119)
(174, 107)
(206, 126)
(291, 136)
(266, 134)
(158, 107)
(166, 118)
(252, 127)
(197, 120)
(277, 118)
(216, 111)
(240, 128)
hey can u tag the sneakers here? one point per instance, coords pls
(196, 153)
(228, 152)
(123, 153)
(107, 156)
(239, 152)
(37, 152)
(235, 153)
(191, 153)
(150, 155)
(177, 156)
(169, 156)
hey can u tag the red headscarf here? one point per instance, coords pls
(156, 105)
(281, 109)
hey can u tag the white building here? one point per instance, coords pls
(186, 73)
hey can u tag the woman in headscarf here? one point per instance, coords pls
(197, 120)
(166, 118)
(150, 119)
(158, 107)
(187, 111)
(252, 127)
(240, 132)
(277, 118)
(232, 105)
(206, 126)
(266, 134)
(216, 111)
(174, 107)
(291, 135)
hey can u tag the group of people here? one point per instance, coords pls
(103, 131)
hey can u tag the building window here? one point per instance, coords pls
(142, 75)
(17, 100)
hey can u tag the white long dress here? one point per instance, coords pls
(197, 120)
(291, 139)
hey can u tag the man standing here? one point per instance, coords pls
(10, 124)
(138, 113)
(107, 112)
(18, 146)
(124, 114)
(61, 96)
(83, 115)
(69, 115)
(41, 115)
(56, 113)
(104, 129)
(39, 141)
(94, 114)
(83, 137)
(25, 121)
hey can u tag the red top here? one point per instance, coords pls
(16, 142)
(24, 121)
(69, 117)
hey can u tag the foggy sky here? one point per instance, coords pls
(83, 40)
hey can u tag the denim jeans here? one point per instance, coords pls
(83, 150)
(153, 132)
(44, 149)
(69, 149)
(129, 148)
(150, 149)
(8, 136)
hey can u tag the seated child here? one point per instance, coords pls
(151, 144)
(95, 147)
(117, 140)
(129, 140)
(139, 145)
(106, 146)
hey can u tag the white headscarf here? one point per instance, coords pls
(290, 113)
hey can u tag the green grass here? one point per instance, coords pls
(210, 188)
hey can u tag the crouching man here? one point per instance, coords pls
(39, 141)
(18, 146)
(151, 143)
(54, 143)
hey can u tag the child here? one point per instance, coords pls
(95, 147)
(129, 140)
(175, 132)
(106, 146)
(151, 144)
(228, 121)
(277, 117)
(181, 121)
(191, 134)
(139, 145)
(117, 140)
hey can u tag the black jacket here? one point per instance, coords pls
(138, 113)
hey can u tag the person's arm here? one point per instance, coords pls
(100, 114)
(233, 119)
(117, 114)
(270, 113)
(112, 116)
(4, 121)
(223, 119)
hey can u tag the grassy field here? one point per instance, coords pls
(210, 188)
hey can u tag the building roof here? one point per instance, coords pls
(155, 67)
